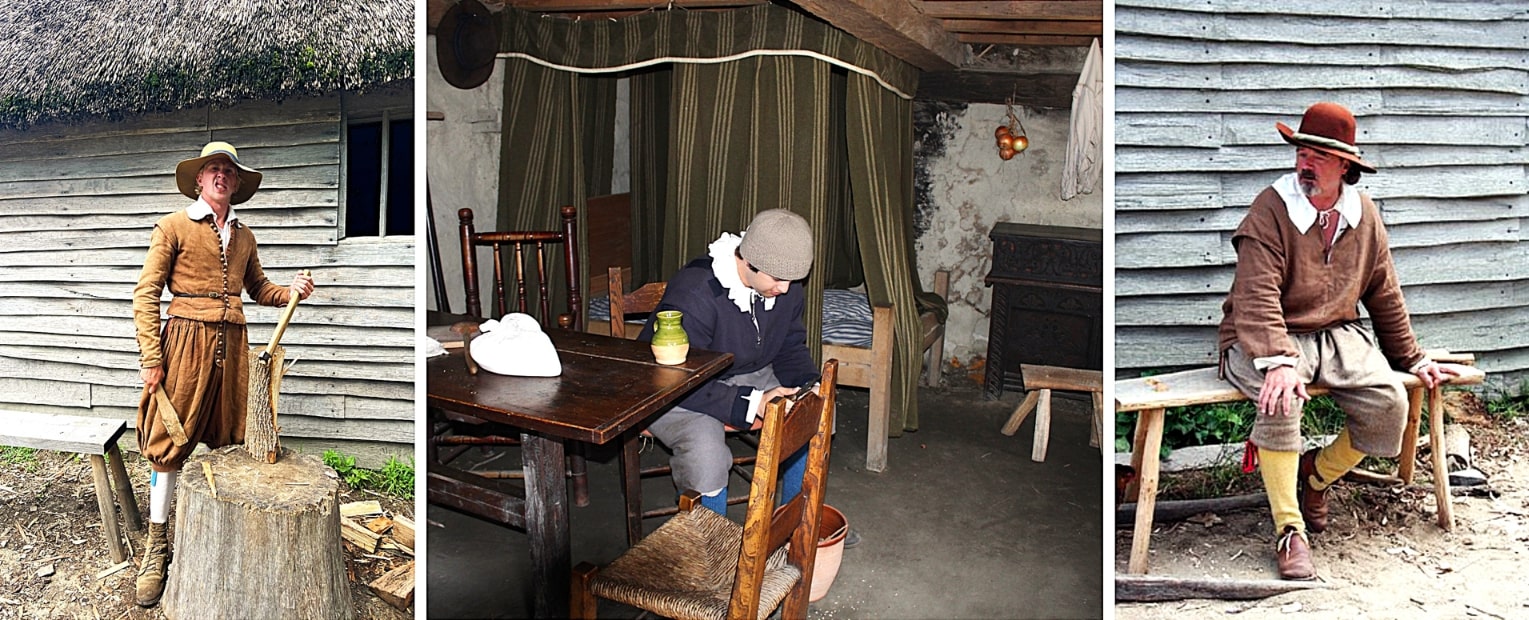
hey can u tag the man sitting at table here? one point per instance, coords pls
(744, 297)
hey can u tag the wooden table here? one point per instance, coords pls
(609, 389)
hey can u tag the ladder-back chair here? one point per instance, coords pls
(702, 565)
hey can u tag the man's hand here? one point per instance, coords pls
(765, 401)
(152, 377)
(303, 285)
(1432, 373)
(1283, 393)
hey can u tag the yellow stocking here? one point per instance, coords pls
(1279, 473)
(1334, 461)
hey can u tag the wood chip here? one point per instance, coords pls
(212, 487)
(114, 570)
(380, 525)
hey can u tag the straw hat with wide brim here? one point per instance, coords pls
(1327, 127)
(466, 43)
(186, 171)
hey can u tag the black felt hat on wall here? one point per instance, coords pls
(466, 44)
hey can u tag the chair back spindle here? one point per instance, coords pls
(516, 246)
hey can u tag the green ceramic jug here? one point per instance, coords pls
(670, 342)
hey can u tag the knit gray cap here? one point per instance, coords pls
(779, 243)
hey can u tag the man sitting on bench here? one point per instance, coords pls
(1310, 249)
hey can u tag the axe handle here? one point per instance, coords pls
(281, 326)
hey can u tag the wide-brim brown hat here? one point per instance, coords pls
(1327, 127)
(466, 44)
(186, 171)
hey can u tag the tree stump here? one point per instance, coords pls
(258, 540)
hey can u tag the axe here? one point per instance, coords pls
(281, 326)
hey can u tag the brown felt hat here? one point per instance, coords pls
(779, 243)
(1327, 127)
(186, 171)
(466, 44)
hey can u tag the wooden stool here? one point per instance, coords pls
(95, 437)
(1041, 380)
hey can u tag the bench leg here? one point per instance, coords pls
(108, 513)
(631, 487)
(1440, 471)
(1408, 458)
(1149, 433)
(1020, 413)
(1042, 427)
(130, 515)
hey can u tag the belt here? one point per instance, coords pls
(206, 295)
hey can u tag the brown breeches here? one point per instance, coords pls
(1346, 360)
(206, 378)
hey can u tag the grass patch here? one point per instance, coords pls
(396, 478)
(25, 458)
(1219, 423)
(1509, 404)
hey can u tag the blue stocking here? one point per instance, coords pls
(717, 503)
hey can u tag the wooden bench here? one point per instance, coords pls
(95, 437)
(1040, 381)
(1150, 397)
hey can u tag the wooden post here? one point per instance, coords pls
(267, 546)
(1149, 432)
(1436, 448)
(881, 386)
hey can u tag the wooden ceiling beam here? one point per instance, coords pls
(1028, 40)
(991, 26)
(1071, 10)
(595, 6)
(894, 26)
(1035, 90)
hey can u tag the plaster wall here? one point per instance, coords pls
(462, 165)
(968, 188)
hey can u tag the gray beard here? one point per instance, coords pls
(1309, 188)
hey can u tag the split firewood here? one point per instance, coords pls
(380, 525)
(356, 509)
(396, 586)
(212, 488)
(403, 532)
(359, 536)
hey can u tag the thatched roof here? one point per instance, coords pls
(66, 60)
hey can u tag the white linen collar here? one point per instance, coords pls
(1301, 211)
(724, 266)
(201, 209)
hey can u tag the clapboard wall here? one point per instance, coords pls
(77, 205)
(1441, 92)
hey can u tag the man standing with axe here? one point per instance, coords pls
(194, 371)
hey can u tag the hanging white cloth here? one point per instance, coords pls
(1085, 164)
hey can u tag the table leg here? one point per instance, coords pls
(1149, 426)
(547, 524)
(631, 486)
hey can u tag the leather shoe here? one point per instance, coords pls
(1313, 502)
(1293, 556)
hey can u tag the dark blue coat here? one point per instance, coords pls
(713, 322)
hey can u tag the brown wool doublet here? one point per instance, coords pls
(203, 348)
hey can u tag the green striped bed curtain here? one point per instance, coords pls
(733, 112)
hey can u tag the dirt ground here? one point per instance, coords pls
(52, 551)
(1383, 556)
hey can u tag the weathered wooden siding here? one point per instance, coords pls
(1441, 92)
(77, 204)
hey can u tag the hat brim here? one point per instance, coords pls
(1292, 137)
(186, 171)
(457, 62)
